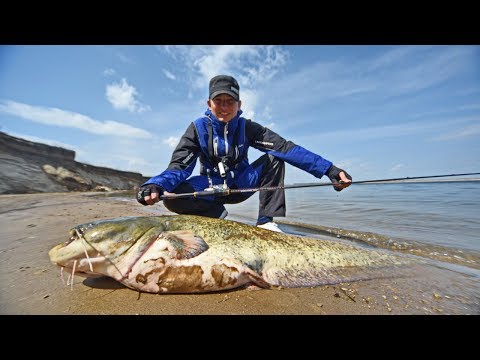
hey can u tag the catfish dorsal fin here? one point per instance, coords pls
(184, 244)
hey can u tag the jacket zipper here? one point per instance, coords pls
(215, 146)
(226, 139)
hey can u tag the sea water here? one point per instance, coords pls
(445, 213)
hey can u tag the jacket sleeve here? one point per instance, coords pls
(268, 141)
(182, 163)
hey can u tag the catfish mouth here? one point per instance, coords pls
(68, 261)
(83, 273)
(81, 264)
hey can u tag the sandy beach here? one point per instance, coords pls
(31, 224)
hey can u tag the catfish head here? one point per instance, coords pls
(113, 247)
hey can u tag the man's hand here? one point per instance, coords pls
(149, 194)
(340, 177)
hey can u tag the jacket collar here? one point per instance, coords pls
(219, 125)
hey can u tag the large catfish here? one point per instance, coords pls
(190, 254)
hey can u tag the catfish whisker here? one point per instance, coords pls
(86, 254)
(61, 275)
(73, 273)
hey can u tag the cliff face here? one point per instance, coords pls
(29, 167)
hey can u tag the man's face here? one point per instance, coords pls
(224, 107)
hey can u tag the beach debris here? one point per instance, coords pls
(349, 293)
(225, 298)
(40, 271)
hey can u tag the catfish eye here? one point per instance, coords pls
(73, 236)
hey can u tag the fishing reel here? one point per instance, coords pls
(219, 189)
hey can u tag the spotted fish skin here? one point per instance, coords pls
(190, 254)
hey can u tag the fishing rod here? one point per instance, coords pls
(223, 190)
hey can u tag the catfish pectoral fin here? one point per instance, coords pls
(184, 244)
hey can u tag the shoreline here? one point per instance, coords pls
(31, 224)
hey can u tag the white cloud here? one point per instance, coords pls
(263, 117)
(172, 141)
(445, 110)
(411, 128)
(168, 74)
(400, 71)
(122, 96)
(126, 162)
(394, 57)
(467, 131)
(249, 103)
(414, 68)
(43, 141)
(266, 113)
(109, 72)
(58, 117)
(124, 58)
(147, 157)
(322, 80)
(398, 167)
(252, 66)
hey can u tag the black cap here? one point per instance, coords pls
(224, 84)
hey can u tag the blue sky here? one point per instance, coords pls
(377, 111)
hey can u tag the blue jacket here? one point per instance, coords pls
(211, 140)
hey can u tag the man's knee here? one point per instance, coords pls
(196, 207)
(176, 206)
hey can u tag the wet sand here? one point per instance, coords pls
(31, 224)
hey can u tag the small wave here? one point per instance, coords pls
(469, 258)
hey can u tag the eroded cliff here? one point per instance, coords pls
(30, 167)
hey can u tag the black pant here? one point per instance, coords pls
(272, 203)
